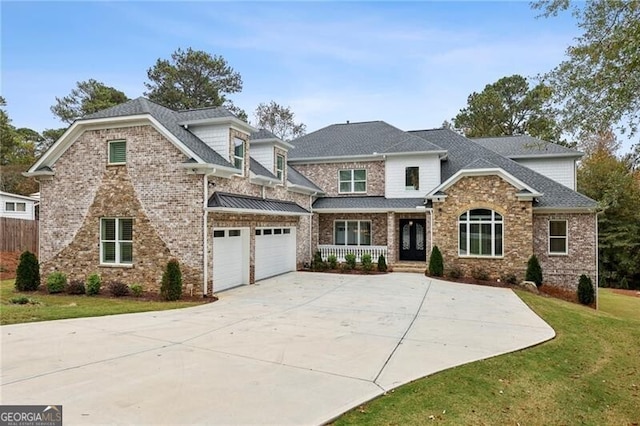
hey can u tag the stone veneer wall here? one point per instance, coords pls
(325, 175)
(378, 226)
(565, 270)
(489, 192)
(85, 189)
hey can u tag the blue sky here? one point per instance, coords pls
(410, 64)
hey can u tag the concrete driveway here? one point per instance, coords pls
(301, 348)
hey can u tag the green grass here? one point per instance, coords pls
(589, 374)
(53, 307)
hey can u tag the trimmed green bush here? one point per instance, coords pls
(382, 263)
(93, 284)
(136, 290)
(367, 262)
(480, 274)
(350, 259)
(333, 261)
(28, 272)
(76, 287)
(454, 272)
(534, 271)
(118, 289)
(586, 293)
(436, 263)
(510, 278)
(56, 282)
(171, 288)
(318, 264)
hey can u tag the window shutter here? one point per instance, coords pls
(117, 152)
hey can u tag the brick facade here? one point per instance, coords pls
(325, 175)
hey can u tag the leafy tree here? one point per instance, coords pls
(8, 136)
(192, 79)
(605, 141)
(88, 97)
(509, 107)
(16, 153)
(279, 120)
(599, 82)
(49, 137)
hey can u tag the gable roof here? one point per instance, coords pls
(297, 178)
(223, 201)
(263, 134)
(525, 146)
(259, 169)
(358, 139)
(462, 152)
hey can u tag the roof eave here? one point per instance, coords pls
(561, 209)
(303, 189)
(254, 211)
(534, 156)
(232, 120)
(274, 141)
(334, 158)
(441, 153)
(370, 210)
(265, 180)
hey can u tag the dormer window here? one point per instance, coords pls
(238, 154)
(280, 166)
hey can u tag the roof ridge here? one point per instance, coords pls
(358, 122)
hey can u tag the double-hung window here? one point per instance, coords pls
(116, 241)
(353, 181)
(480, 233)
(558, 237)
(280, 166)
(11, 206)
(412, 178)
(352, 232)
(238, 154)
(117, 152)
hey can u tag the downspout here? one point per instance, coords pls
(205, 245)
(597, 263)
(311, 253)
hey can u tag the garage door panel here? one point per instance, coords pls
(230, 260)
(275, 251)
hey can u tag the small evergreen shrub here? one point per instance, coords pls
(350, 259)
(624, 284)
(586, 294)
(382, 263)
(118, 289)
(436, 263)
(333, 261)
(318, 264)
(93, 284)
(20, 300)
(509, 278)
(454, 272)
(76, 287)
(534, 271)
(28, 272)
(136, 290)
(171, 288)
(56, 282)
(367, 262)
(480, 274)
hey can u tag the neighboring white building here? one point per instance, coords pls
(17, 206)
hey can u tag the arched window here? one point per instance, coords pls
(480, 233)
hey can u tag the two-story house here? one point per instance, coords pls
(128, 188)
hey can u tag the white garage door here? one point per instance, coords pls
(230, 258)
(275, 251)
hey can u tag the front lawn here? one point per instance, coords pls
(52, 307)
(589, 374)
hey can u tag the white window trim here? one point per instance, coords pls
(244, 154)
(109, 152)
(283, 166)
(117, 263)
(566, 238)
(411, 188)
(346, 230)
(493, 222)
(353, 181)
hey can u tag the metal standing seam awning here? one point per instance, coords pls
(235, 203)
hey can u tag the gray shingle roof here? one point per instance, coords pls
(203, 113)
(462, 151)
(354, 139)
(525, 146)
(367, 203)
(297, 178)
(259, 169)
(262, 134)
(234, 201)
(170, 120)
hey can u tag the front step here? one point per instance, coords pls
(415, 267)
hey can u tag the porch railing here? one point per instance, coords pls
(341, 251)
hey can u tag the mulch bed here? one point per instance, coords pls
(632, 293)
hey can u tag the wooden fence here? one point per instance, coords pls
(18, 235)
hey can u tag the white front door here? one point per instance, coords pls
(275, 251)
(230, 258)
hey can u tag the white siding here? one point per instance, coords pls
(27, 214)
(217, 137)
(263, 154)
(395, 175)
(562, 170)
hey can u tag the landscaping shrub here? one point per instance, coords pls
(454, 272)
(93, 284)
(136, 290)
(480, 274)
(367, 262)
(534, 271)
(382, 263)
(56, 282)
(28, 272)
(624, 284)
(586, 294)
(20, 300)
(318, 264)
(76, 287)
(509, 278)
(436, 264)
(333, 261)
(171, 288)
(118, 289)
(350, 259)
